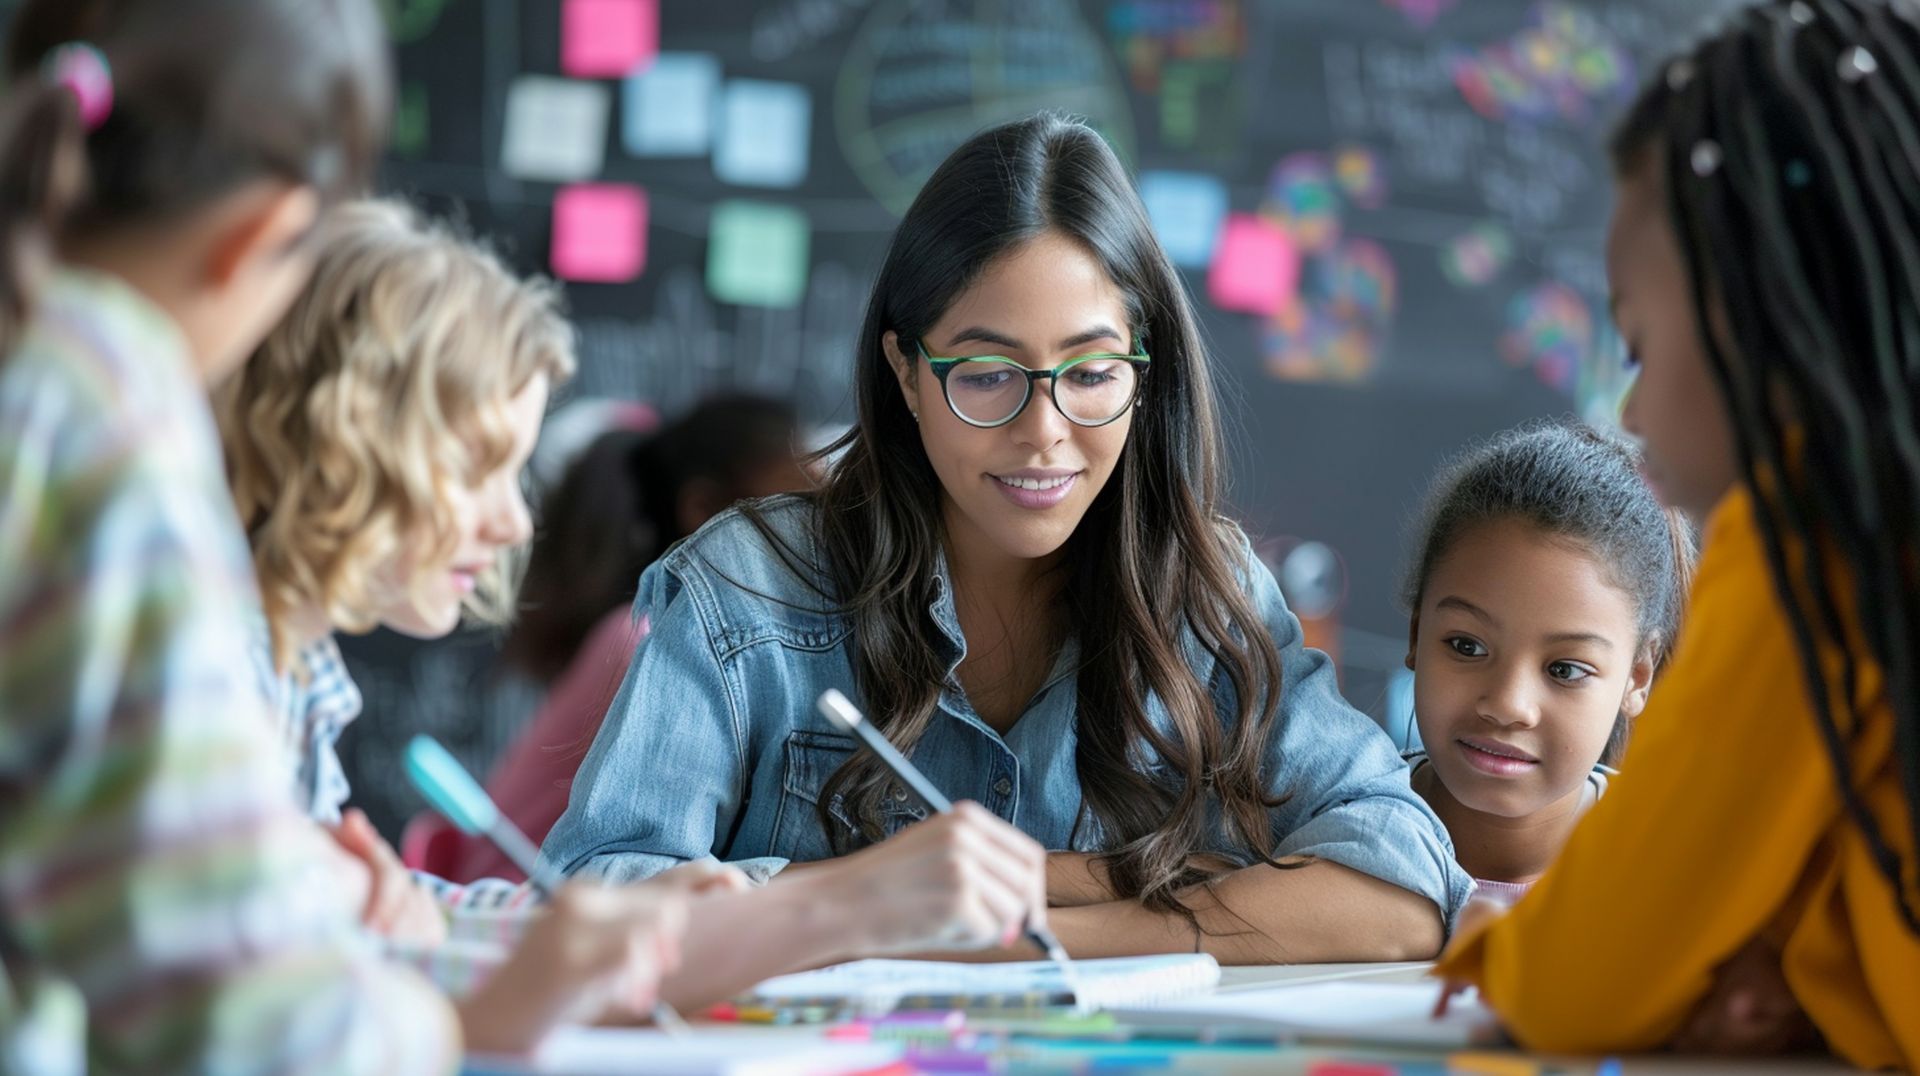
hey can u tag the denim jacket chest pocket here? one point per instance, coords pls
(812, 758)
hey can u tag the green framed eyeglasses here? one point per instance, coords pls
(992, 390)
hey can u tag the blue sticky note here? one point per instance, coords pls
(757, 254)
(765, 129)
(668, 108)
(1187, 209)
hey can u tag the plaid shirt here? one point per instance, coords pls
(314, 701)
(157, 911)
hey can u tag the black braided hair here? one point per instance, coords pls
(1790, 147)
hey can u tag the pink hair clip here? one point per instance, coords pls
(83, 69)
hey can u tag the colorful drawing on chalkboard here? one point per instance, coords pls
(1185, 54)
(1150, 35)
(1345, 294)
(1303, 200)
(1475, 257)
(1362, 176)
(918, 79)
(1562, 65)
(1550, 331)
(1360, 282)
(1337, 328)
(1421, 13)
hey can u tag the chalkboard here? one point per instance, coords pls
(1430, 174)
(1436, 169)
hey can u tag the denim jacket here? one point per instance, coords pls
(713, 746)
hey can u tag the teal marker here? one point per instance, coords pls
(453, 792)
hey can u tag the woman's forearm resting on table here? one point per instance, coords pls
(1318, 912)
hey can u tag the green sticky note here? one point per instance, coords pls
(757, 254)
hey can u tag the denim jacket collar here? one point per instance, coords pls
(946, 617)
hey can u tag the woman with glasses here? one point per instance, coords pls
(1018, 568)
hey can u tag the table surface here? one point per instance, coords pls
(1296, 1061)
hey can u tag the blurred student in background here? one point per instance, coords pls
(627, 498)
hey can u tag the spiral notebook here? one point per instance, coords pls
(884, 985)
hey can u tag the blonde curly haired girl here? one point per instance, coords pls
(374, 445)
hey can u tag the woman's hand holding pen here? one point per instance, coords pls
(963, 880)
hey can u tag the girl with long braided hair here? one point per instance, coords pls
(1751, 880)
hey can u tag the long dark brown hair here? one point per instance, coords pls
(208, 96)
(1152, 560)
(1789, 145)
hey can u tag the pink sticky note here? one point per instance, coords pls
(608, 38)
(1256, 269)
(599, 233)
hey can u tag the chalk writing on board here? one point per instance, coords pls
(918, 79)
(685, 350)
(783, 30)
(1185, 55)
(1527, 174)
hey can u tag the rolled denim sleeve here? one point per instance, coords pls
(666, 778)
(1348, 800)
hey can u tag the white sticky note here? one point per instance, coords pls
(765, 129)
(668, 108)
(556, 129)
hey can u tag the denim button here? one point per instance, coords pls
(1002, 787)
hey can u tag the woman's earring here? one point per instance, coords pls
(916, 417)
